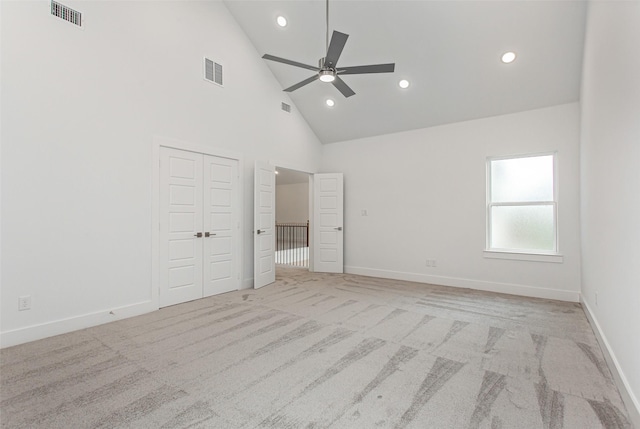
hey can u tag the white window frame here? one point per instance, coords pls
(523, 254)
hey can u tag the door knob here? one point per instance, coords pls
(209, 234)
(197, 234)
(259, 232)
(338, 228)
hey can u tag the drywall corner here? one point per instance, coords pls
(630, 401)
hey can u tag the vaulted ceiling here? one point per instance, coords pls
(450, 52)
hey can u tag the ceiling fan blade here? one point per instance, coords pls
(301, 84)
(374, 68)
(336, 46)
(291, 63)
(343, 87)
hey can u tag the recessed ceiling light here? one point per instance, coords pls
(508, 57)
(282, 21)
(330, 102)
(403, 84)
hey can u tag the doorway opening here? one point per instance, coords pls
(292, 218)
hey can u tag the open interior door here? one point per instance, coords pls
(264, 221)
(328, 234)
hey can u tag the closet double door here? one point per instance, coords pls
(199, 226)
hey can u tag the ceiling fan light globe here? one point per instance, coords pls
(327, 76)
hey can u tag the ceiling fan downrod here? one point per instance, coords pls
(327, 38)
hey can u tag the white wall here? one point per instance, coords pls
(424, 193)
(81, 109)
(292, 203)
(610, 163)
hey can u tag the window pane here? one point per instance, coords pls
(522, 227)
(522, 179)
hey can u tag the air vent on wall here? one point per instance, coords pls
(66, 13)
(212, 71)
(286, 107)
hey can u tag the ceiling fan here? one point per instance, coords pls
(328, 70)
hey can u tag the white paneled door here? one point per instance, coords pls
(328, 202)
(264, 270)
(199, 228)
(221, 226)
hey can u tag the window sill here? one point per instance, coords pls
(534, 257)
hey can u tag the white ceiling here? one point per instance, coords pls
(449, 50)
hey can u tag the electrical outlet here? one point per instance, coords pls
(431, 263)
(24, 303)
(434, 263)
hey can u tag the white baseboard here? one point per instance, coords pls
(508, 288)
(49, 329)
(630, 401)
(63, 326)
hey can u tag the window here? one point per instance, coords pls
(521, 205)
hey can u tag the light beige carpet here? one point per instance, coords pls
(321, 350)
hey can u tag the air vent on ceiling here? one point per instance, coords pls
(213, 71)
(66, 13)
(286, 107)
